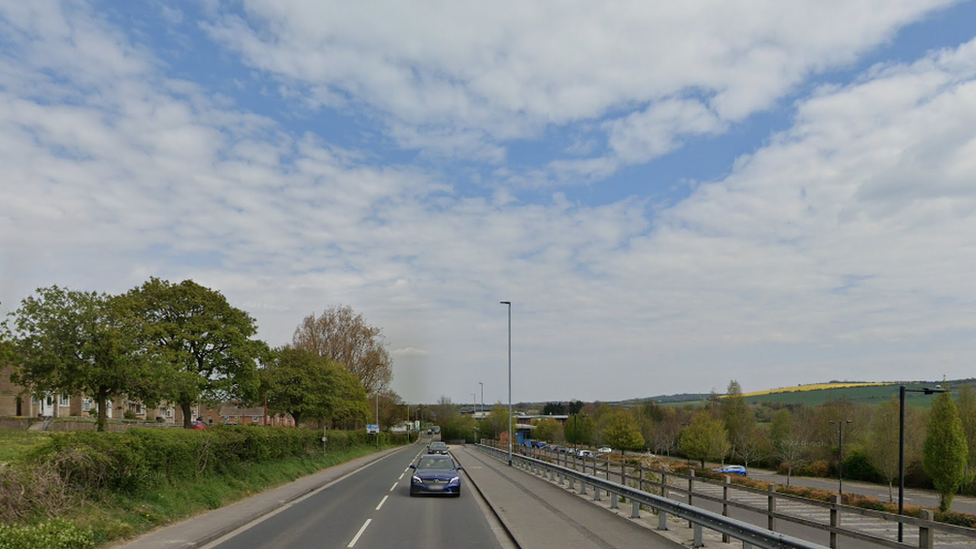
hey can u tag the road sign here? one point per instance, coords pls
(373, 429)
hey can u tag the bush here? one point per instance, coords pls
(52, 534)
(130, 414)
(857, 467)
(458, 428)
(959, 519)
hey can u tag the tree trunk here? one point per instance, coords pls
(100, 398)
(185, 406)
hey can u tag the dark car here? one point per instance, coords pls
(437, 447)
(436, 474)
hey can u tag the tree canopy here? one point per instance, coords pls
(308, 386)
(623, 432)
(73, 342)
(206, 344)
(344, 336)
(705, 438)
(945, 451)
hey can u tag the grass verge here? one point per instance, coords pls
(16, 444)
(115, 516)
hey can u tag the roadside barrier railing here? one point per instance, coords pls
(750, 535)
(926, 527)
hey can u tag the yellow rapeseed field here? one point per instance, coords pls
(812, 387)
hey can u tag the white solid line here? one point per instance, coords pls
(382, 501)
(392, 488)
(361, 530)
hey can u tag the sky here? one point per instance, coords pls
(672, 195)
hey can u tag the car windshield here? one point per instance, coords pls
(435, 463)
(438, 445)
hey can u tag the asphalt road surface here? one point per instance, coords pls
(372, 508)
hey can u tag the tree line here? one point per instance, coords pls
(940, 447)
(185, 344)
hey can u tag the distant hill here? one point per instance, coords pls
(871, 393)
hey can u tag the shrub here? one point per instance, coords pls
(52, 534)
(953, 517)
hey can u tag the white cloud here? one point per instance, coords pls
(844, 245)
(410, 351)
(506, 70)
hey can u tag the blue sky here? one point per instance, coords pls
(672, 195)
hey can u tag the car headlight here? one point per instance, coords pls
(416, 480)
(455, 480)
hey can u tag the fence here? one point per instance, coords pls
(825, 516)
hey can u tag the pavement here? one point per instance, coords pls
(202, 529)
(541, 514)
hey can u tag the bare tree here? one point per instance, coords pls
(344, 336)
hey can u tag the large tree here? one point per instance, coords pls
(881, 446)
(74, 342)
(739, 422)
(623, 432)
(788, 441)
(208, 345)
(344, 336)
(308, 386)
(546, 429)
(946, 453)
(579, 429)
(705, 438)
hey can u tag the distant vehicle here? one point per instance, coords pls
(606, 450)
(539, 444)
(436, 474)
(198, 425)
(437, 447)
(731, 470)
(584, 453)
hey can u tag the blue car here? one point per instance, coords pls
(731, 470)
(436, 474)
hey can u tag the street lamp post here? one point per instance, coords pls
(482, 385)
(509, 303)
(840, 451)
(377, 420)
(901, 444)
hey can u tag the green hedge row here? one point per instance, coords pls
(140, 459)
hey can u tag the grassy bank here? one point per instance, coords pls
(84, 490)
(16, 444)
(118, 516)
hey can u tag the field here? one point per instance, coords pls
(814, 394)
(812, 387)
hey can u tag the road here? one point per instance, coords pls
(372, 508)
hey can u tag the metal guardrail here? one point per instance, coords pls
(748, 534)
(926, 526)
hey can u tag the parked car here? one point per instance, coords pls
(731, 470)
(606, 450)
(436, 474)
(437, 447)
(584, 453)
(198, 425)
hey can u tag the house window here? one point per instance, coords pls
(169, 412)
(138, 408)
(86, 404)
(64, 400)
